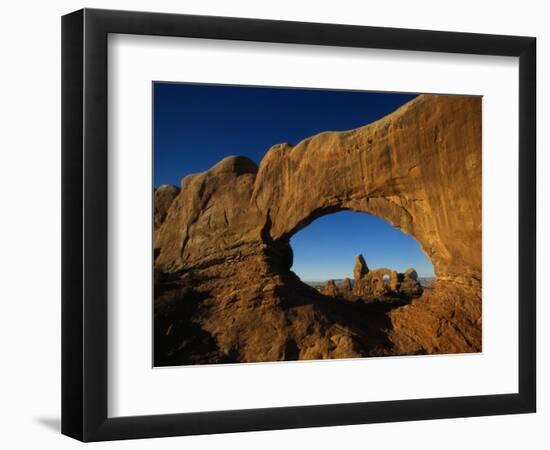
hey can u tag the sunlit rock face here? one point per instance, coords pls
(383, 281)
(225, 239)
(330, 289)
(374, 284)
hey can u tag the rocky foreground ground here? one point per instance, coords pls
(224, 289)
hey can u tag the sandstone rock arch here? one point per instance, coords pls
(382, 279)
(419, 168)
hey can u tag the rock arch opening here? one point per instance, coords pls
(357, 255)
(226, 236)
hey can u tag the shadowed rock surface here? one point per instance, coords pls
(222, 249)
(345, 288)
(360, 269)
(163, 198)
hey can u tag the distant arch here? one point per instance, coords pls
(326, 248)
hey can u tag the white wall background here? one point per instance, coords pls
(30, 226)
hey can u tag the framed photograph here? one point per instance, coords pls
(273, 224)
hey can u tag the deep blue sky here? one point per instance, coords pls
(327, 247)
(195, 126)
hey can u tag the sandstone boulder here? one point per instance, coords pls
(411, 273)
(409, 284)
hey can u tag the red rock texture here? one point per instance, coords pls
(223, 256)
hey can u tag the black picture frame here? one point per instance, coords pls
(84, 224)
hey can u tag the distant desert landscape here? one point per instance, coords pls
(224, 288)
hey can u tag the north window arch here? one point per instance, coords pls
(326, 248)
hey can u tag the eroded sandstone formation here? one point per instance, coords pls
(360, 269)
(345, 288)
(384, 281)
(330, 289)
(224, 255)
(372, 285)
(163, 198)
